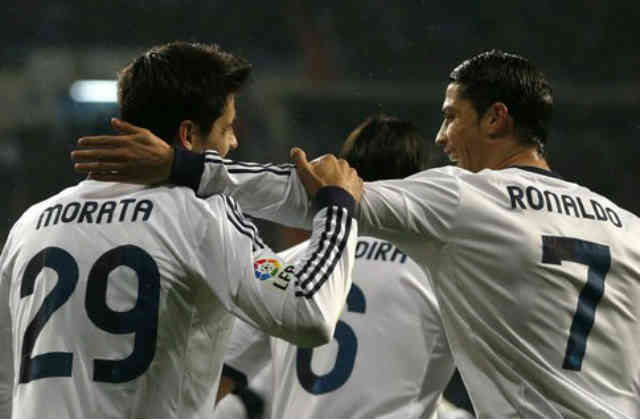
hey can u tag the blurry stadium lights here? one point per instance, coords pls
(102, 91)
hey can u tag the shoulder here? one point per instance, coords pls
(184, 201)
(380, 258)
(33, 212)
(444, 173)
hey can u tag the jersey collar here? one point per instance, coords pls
(537, 170)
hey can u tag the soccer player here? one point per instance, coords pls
(116, 299)
(390, 332)
(537, 277)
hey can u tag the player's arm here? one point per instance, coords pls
(6, 355)
(297, 299)
(265, 191)
(424, 204)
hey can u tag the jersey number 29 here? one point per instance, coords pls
(142, 319)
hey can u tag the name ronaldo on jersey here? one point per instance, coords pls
(535, 199)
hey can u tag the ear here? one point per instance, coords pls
(186, 134)
(496, 120)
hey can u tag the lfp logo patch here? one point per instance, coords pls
(266, 268)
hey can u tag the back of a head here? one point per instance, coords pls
(179, 81)
(384, 147)
(496, 76)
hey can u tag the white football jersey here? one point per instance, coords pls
(116, 299)
(538, 278)
(389, 356)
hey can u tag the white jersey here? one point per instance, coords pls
(389, 356)
(116, 299)
(537, 278)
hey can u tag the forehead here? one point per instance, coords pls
(230, 108)
(454, 98)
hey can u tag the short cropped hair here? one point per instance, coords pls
(497, 76)
(385, 147)
(179, 81)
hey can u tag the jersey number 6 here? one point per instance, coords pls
(142, 319)
(347, 349)
(598, 258)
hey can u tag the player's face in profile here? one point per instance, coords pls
(222, 137)
(460, 132)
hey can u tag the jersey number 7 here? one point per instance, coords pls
(598, 258)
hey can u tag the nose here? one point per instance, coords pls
(441, 139)
(233, 144)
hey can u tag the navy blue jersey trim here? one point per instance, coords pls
(254, 245)
(323, 239)
(240, 217)
(333, 263)
(213, 155)
(187, 168)
(285, 172)
(538, 170)
(334, 195)
(247, 167)
(343, 222)
(246, 228)
(327, 254)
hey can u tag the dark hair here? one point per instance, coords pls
(497, 76)
(383, 147)
(179, 81)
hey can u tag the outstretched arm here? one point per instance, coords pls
(418, 207)
(267, 191)
(135, 155)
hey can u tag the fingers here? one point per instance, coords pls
(100, 167)
(99, 155)
(299, 157)
(305, 171)
(112, 177)
(123, 126)
(104, 140)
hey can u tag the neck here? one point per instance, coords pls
(505, 154)
(523, 158)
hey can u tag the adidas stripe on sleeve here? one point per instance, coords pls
(298, 300)
(268, 191)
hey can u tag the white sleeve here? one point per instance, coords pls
(299, 299)
(267, 191)
(424, 204)
(248, 353)
(6, 354)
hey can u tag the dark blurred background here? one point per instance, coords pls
(320, 68)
